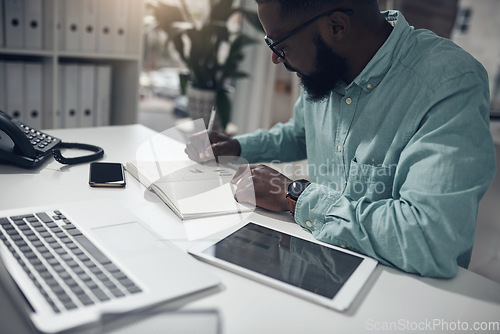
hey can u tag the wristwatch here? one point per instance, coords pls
(294, 190)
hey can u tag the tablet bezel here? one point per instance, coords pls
(340, 302)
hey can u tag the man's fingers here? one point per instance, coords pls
(245, 191)
(196, 147)
(244, 182)
(241, 172)
(208, 154)
(245, 195)
(215, 137)
(218, 149)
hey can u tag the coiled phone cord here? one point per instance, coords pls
(99, 153)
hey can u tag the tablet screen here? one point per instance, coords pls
(307, 265)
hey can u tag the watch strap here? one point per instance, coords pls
(291, 205)
(291, 201)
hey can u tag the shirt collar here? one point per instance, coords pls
(379, 65)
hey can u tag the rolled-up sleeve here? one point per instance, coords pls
(284, 142)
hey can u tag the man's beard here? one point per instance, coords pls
(329, 70)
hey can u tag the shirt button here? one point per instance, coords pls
(343, 246)
(369, 86)
(339, 148)
(348, 100)
(309, 224)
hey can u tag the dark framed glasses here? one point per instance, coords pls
(280, 53)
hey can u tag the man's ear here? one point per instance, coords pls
(336, 27)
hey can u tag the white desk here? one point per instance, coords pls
(391, 298)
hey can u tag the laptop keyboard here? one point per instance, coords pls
(65, 266)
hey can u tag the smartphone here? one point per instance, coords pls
(106, 174)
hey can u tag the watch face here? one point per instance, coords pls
(296, 188)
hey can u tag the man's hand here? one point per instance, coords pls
(205, 146)
(261, 186)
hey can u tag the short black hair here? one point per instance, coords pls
(290, 7)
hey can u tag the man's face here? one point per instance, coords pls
(306, 53)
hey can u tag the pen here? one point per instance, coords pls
(212, 119)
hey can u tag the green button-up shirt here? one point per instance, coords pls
(399, 158)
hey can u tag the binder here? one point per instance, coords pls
(106, 25)
(14, 71)
(134, 20)
(70, 88)
(2, 22)
(33, 24)
(89, 25)
(33, 91)
(72, 25)
(103, 95)
(3, 93)
(121, 30)
(57, 112)
(60, 19)
(14, 26)
(86, 110)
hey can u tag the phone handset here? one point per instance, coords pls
(22, 144)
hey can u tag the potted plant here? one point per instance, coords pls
(210, 50)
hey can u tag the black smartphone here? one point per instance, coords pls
(106, 174)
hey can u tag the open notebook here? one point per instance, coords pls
(191, 190)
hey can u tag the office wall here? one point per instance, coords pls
(436, 15)
(477, 32)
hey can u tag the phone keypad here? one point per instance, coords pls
(40, 141)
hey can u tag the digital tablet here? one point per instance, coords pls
(324, 274)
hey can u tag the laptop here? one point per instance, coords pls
(74, 262)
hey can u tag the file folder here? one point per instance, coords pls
(106, 26)
(33, 89)
(33, 24)
(2, 23)
(3, 105)
(133, 35)
(86, 110)
(70, 88)
(89, 25)
(60, 19)
(72, 24)
(14, 26)
(103, 95)
(14, 88)
(121, 31)
(57, 112)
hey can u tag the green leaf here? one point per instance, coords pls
(221, 11)
(239, 75)
(223, 107)
(179, 46)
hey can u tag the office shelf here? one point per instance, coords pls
(125, 64)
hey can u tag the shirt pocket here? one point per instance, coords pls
(374, 182)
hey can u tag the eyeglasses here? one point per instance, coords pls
(280, 53)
